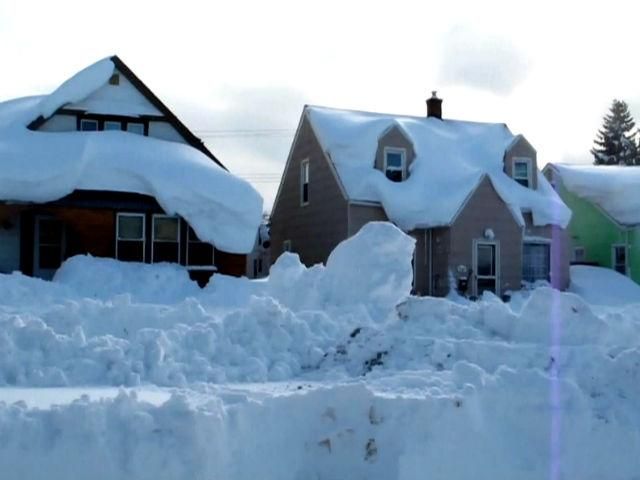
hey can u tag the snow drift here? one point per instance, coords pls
(44, 166)
(371, 385)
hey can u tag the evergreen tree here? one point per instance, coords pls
(615, 143)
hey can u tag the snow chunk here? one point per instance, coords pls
(603, 286)
(41, 166)
(615, 189)
(78, 87)
(451, 159)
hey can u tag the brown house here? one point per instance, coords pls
(119, 214)
(471, 194)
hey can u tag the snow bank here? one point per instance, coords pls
(44, 166)
(369, 385)
(613, 188)
(451, 159)
(603, 286)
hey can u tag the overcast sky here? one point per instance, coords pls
(233, 69)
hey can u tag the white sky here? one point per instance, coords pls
(547, 69)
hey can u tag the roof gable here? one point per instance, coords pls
(86, 90)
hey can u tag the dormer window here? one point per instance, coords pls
(137, 128)
(395, 164)
(522, 171)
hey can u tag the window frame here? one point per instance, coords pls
(584, 254)
(529, 178)
(305, 176)
(403, 162)
(141, 124)
(537, 242)
(89, 120)
(114, 122)
(153, 235)
(198, 266)
(287, 246)
(143, 239)
(614, 246)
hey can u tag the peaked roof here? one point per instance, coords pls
(122, 67)
(452, 156)
(40, 167)
(614, 189)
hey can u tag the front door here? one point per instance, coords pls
(486, 267)
(48, 246)
(619, 258)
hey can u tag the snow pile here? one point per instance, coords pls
(370, 385)
(452, 158)
(603, 286)
(42, 166)
(615, 189)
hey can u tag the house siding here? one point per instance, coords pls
(316, 228)
(394, 138)
(359, 215)
(486, 210)
(9, 238)
(522, 148)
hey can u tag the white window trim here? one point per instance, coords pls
(143, 239)
(626, 257)
(403, 155)
(83, 120)
(537, 241)
(104, 125)
(529, 163)
(286, 246)
(304, 164)
(153, 233)
(474, 260)
(200, 267)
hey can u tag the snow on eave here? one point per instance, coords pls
(570, 175)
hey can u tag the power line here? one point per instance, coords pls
(251, 133)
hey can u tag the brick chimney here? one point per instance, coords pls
(434, 106)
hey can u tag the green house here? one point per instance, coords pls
(605, 226)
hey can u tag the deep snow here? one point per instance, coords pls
(314, 373)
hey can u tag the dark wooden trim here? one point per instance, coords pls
(27, 219)
(194, 141)
(121, 201)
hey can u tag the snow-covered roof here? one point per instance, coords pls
(45, 166)
(615, 189)
(452, 157)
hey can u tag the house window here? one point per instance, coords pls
(50, 243)
(199, 253)
(114, 79)
(619, 258)
(134, 127)
(522, 171)
(111, 125)
(88, 125)
(304, 182)
(579, 254)
(395, 164)
(286, 246)
(130, 237)
(536, 262)
(166, 239)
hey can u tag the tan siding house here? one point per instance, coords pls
(490, 241)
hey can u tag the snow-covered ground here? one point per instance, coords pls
(119, 371)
